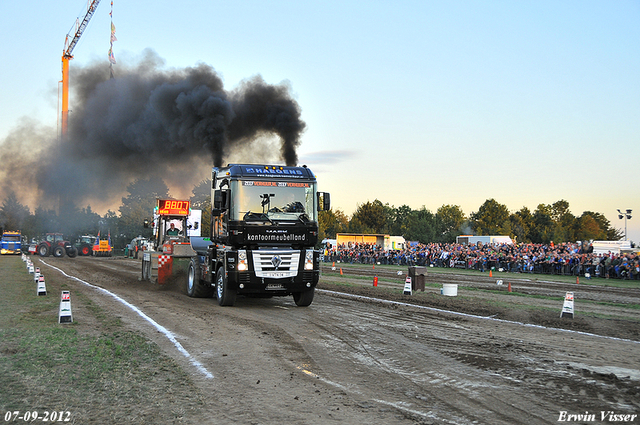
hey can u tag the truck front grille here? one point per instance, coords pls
(277, 264)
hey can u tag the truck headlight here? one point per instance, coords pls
(308, 260)
(243, 266)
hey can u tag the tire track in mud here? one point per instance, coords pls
(369, 359)
(257, 363)
(409, 386)
(539, 359)
(387, 343)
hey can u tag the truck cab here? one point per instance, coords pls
(264, 229)
(11, 243)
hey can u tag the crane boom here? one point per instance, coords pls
(67, 56)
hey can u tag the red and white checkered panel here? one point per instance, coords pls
(165, 268)
(162, 260)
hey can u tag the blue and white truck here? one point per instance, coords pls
(11, 242)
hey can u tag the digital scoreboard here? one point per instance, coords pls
(173, 207)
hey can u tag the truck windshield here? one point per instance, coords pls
(11, 238)
(273, 200)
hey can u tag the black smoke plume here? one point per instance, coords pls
(151, 121)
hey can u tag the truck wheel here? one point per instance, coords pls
(195, 286)
(72, 253)
(146, 265)
(43, 250)
(226, 296)
(305, 298)
(58, 251)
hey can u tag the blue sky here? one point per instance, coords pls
(422, 103)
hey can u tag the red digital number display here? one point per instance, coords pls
(173, 207)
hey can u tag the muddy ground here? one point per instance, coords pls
(350, 357)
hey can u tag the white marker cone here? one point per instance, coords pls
(407, 286)
(567, 306)
(42, 288)
(64, 314)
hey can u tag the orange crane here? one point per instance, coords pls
(67, 56)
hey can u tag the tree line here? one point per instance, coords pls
(123, 225)
(548, 222)
(553, 222)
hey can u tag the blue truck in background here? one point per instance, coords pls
(11, 243)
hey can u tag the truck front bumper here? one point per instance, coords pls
(249, 283)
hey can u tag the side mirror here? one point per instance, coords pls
(324, 201)
(218, 204)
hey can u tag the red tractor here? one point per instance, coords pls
(55, 244)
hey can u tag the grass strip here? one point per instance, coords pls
(93, 368)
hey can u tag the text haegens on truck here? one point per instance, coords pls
(263, 233)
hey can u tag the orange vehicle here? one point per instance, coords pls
(171, 249)
(102, 247)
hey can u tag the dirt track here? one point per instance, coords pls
(359, 360)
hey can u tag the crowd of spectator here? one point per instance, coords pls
(561, 259)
